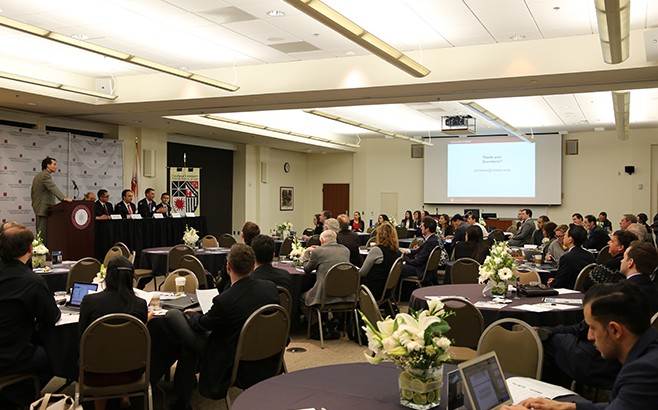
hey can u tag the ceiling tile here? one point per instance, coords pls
(262, 32)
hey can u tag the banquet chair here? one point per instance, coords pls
(313, 240)
(191, 263)
(604, 255)
(497, 235)
(431, 266)
(191, 282)
(525, 278)
(416, 242)
(654, 320)
(341, 281)
(388, 294)
(114, 344)
(465, 328)
(84, 271)
(131, 258)
(370, 229)
(285, 299)
(401, 231)
(584, 273)
(371, 242)
(112, 253)
(174, 257)
(15, 379)
(373, 233)
(263, 336)
(369, 307)
(511, 229)
(308, 232)
(209, 241)
(286, 248)
(125, 250)
(226, 240)
(465, 270)
(525, 362)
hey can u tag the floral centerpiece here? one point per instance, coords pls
(190, 237)
(39, 252)
(297, 252)
(393, 221)
(284, 229)
(497, 269)
(415, 343)
(482, 222)
(100, 277)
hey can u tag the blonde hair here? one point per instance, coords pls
(387, 236)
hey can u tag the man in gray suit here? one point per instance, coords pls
(322, 258)
(524, 233)
(43, 194)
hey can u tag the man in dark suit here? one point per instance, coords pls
(164, 207)
(459, 227)
(572, 262)
(103, 207)
(416, 259)
(349, 239)
(263, 247)
(640, 261)
(126, 207)
(597, 237)
(524, 234)
(209, 341)
(146, 206)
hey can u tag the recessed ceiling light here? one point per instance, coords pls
(276, 13)
(80, 36)
(350, 53)
(184, 68)
(517, 37)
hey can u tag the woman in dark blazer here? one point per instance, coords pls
(357, 223)
(381, 257)
(445, 226)
(319, 226)
(408, 221)
(417, 219)
(473, 247)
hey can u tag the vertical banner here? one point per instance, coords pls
(134, 183)
(185, 190)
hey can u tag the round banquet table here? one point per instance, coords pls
(213, 259)
(57, 276)
(300, 284)
(473, 292)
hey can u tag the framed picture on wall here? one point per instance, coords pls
(287, 198)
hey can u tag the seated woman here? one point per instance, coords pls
(445, 226)
(548, 230)
(417, 219)
(357, 223)
(381, 219)
(473, 247)
(381, 257)
(118, 297)
(556, 249)
(319, 226)
(408, 221)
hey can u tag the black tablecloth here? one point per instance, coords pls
(56, 278)
(213, 259)
(300, 284)
(474, 294)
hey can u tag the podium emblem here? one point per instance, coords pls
(81, 217)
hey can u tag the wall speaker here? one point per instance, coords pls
(629, 169)
(263, 172)
(417, 150)
(104, 85)
(571, 147)
(148, 163)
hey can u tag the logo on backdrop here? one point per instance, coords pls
(185, 190)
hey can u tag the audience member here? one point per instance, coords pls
(126, 206)
(609, 272)
(557, 248)
(408, 220)
(417, 219)
(548, 230)
(250, 230)
(324, 216)
(597, 237)
(349, 239)
(146, 206)
(43, 194)
(473, 247)
(626, 220)
(321, 259)
(642, 219)
(416, 259)
(639, 230)
(577, 219)
(103, 207)
(263, 247)
(472, 220)
(380, 259)
(90, 196)
(319, 225)
(332, 225)
(444, 225)
(458, 228)
(357, 223)
(605, 222)
(574, 260)
(164, 207)
(538, 236)
(639, 263)
(381, 219)
(524, 234)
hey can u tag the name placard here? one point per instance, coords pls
(158, 216)
(175, 215)
(135, 216)
(115, 216)
(190, 215)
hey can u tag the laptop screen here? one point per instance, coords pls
(80, 290)
(485, 382)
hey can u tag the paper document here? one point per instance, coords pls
(67, 318)
(557, 306)
(205, 296)
(534, 308)
(522, 388)
(562, 291)
(147, 296)
(489, 305)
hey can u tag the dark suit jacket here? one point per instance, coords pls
(229, 311)
(144, 209)
(121, 209)
(460, 233)
(100, 211)
(279, 276)
(361, 225)
(598, 238)
(163, 205)
(103, 303)
(649, 288)
(351, 241)
(570, 265)
(418, 258)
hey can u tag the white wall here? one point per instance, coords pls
(148, 140)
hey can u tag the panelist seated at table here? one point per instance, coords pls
(164, 207)
(126, 206)
(416, 259)
(619, 322)
(146, 206)
(118, 297)
(103, 208)
(574, 260)
(25, 303)
(263, 247)
(376, 267)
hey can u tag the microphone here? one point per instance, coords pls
(75, 186)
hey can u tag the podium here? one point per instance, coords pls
(71, 229)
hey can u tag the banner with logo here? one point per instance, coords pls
(185, 190)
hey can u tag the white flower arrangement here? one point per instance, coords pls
(284, 226)
(393, 221)
(411, 341)
(482, 222)
(100, 276)
(38, 248)
(297, 250)
(191, 236)
(499, 265)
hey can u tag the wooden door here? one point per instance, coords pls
(336, 198)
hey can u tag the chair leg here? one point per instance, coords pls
(320, 326)
(148, 403)
(356, 325)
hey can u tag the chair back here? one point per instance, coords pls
(131, 258)
(488, 242)
(341, 281)
(190, 262)
(285, 299)
(286, 247)
(465, 270)
(112, 253)
(467, 325)
(226, 241)
(370, 229)
(125, 251)
(369, 306)
(401, 231)
(84, 271)
(654, 320)
(175, 254)
(313, 240)
(308, 232)
(416, 242)
(524, 362)
(526, 277)
(511, 229)
(373, 232)
(115, 343)
(580, 280)
(191, 282)
(209, 241)
(432, 262)
(372, 241)
(392, 280)
(497, 235)
(604, 255)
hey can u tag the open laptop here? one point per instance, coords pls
(79, 291)
(484, 382)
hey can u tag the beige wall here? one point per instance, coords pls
(148, 140)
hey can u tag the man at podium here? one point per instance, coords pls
(43, 193)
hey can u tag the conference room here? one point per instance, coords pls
(284, 116)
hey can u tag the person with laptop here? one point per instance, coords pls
(25, 302)
(619, 320)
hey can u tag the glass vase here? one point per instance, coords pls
(38, 261)
(499, 289)
(421, 388)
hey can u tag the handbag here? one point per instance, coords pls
(55, 402)
(537, 290)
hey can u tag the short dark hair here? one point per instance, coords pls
(46, 161)
(101, 192)
(124, 192)
(577, 215)
(456, 217)
(429, 223)
(604, 213)
(163, 194)
(241, 259)
(472, 215)
(622, 302)
(591, 219)
(327, 214)
(544, 219)
(642, 218)
(578, 234)
(15, 242)
(625, 238)
(263, 247)
(549, 228)
(148, 190)
(250, 230)
(644, 255)
(528, 211)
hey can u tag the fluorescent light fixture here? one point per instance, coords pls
(367, 127)
(614, 20)
(621, 101)
(108, 52)
(277, 130)
(56, 86)
(324, 14)
(478, 109)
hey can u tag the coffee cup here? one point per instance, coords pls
(537, 260)
(180, 285)
(155, 302)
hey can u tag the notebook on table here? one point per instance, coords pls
(181, 303)
(79, 291)
(484, 382)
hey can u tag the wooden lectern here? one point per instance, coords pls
(71, 229)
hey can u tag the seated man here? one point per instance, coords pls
(619, 318)
(209, 341)
(472, 220)
(458, 228)
(572, 262)
(597, 237)
(321, 259)
(416, 259)
(126, 206)
(102, 207)
(26, 302)
(610, 270)
(164, 207)
(538, 236)
(263, 247)
(349, 239)
(146, 206)
(524, 234)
